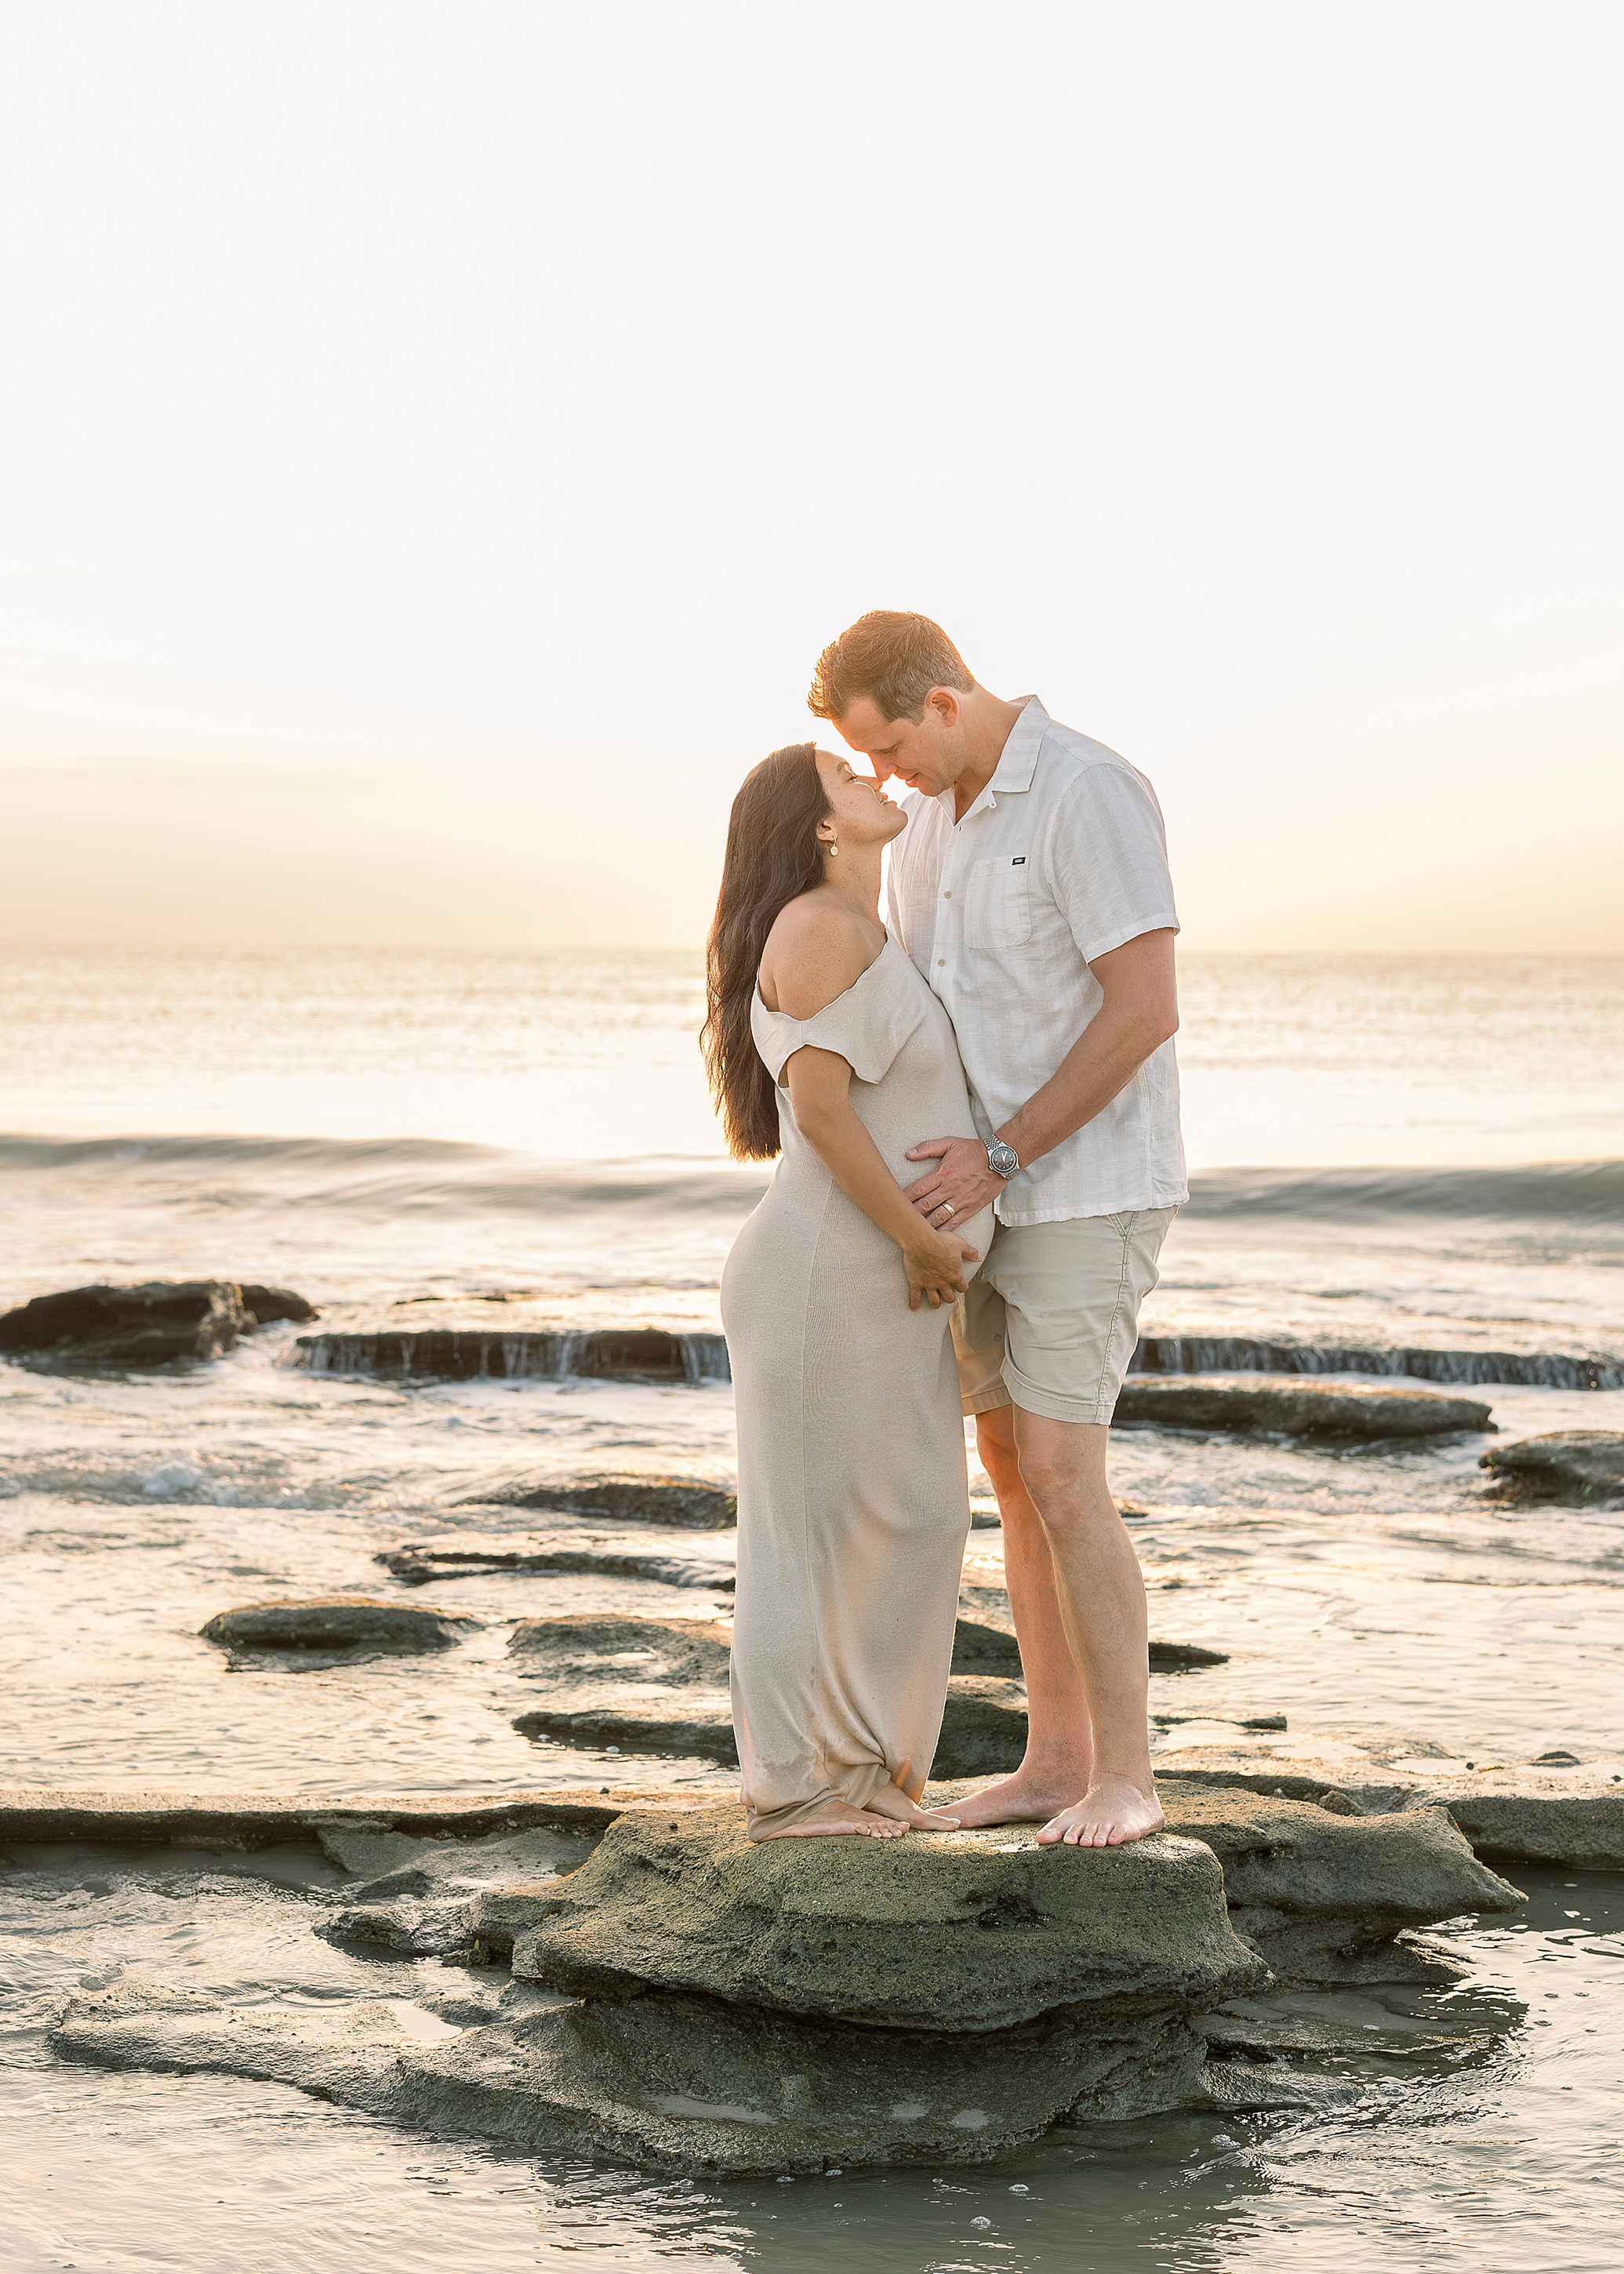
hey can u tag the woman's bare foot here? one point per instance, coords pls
(832, 1816)
(1112, 1812)
(891, 1800)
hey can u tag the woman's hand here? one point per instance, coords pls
(935, 1262)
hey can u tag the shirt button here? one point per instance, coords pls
(940, 963)
(947, 896)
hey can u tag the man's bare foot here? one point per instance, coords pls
(1026, 1798)
(891, 1800)
(1112, 1812)
(834, 1816)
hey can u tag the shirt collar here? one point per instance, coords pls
(1016, 762)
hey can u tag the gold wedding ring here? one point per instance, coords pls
(948, 1205)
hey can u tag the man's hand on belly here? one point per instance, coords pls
(959, 1183)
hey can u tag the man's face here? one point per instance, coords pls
(928, 756)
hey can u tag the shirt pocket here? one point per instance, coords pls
(997, 905)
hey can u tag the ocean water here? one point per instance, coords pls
(1387, 1154)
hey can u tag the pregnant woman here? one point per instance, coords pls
(826, 1047)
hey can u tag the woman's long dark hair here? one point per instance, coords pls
(772, 858)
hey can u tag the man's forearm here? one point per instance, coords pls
(1099, 1065)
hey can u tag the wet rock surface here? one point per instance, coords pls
(1541, 1812)
(417, 1561)
(678, 2080)
(152, 1324)
(956, 1932)
(418, 1896)
(346, 1624)
(686, 1503)
(1288, 1405)
(265, 1306)
(1580, 1468)
(984, 1641)
(611, 1678)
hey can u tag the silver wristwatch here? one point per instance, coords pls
(1003, 1159)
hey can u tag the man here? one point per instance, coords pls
(1031, 890)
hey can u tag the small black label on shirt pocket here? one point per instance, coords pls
(1020, 862)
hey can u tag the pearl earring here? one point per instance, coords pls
(829, 845)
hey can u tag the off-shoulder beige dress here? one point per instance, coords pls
(854, 1503)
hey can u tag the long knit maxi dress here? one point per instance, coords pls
(854, 1503)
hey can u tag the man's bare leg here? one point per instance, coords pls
(1100, 1590)
(1059, 1759)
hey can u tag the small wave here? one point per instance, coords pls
(1574, 1191)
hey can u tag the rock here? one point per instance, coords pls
(1573, 1467)
(464, 1354)
(984, 1641)
(1517, 1812)
(417, 1895)
(616, 1679)
(687, 1503)
(951, 1931)
(1242, 1354)
(263, 1305)
(338, 1622)
(251, 1822)
(1306, 1888)
(662, 1684)
(674, 2081)
(416, 1562)
(1287, 1406)
(148, 1325)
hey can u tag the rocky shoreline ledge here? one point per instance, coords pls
(626, 1973)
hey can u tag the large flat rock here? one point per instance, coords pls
(1569, 1813)
(984, 1641)
(350, 1624)
(1287, 1406)
(966, 1931)
(458, 1554)
(1575, 1468)
(151, 1324)
(677, 2082)
(1313, 1890)
(416, 1895)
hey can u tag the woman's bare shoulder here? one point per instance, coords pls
(816, 950)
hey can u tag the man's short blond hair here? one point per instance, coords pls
(891, 657)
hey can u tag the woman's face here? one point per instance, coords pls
(862, 814)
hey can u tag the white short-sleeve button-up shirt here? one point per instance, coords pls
(1062, 858)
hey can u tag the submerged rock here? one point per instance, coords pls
(1573, 1467)
(1289, 1406)
(686, 1503)
(147, 1325)
(676, 2081)
(338, 1622)
(417, 1561)
(955, 1931)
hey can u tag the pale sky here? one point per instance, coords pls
(438, 439)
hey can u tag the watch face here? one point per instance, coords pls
(1003, 1159)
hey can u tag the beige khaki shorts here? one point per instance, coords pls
(1052, 1316)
